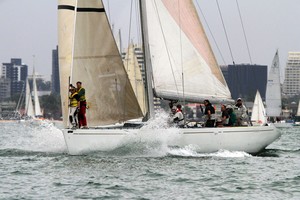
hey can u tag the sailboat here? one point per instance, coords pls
(258, 116)
(297, 116)
(37, 108)
(179, 65)
(273, 95)
(29, 110)
(33, 112)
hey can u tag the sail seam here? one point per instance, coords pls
(67, 7)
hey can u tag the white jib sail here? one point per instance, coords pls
(258, 111)
(96, 63)
(37, 107)
(273, 91)
(178, 44)
(29, 111)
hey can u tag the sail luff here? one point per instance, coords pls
(66, 18)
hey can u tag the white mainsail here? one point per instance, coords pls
(29, 111)
(273, 91)
(135, 76)
(258, 111)
(37, 107)
(178, 46)
(88, 53)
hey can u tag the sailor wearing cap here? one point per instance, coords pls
(241, 113)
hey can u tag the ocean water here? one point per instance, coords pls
(34, 165)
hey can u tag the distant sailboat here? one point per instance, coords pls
(88, 52)
(297, 116)
(273, 95)
(273, 90)
(258, 116)
(37, 107)
(29, 110)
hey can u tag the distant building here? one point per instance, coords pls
(17, 73)
(55, 86)
(4, 88)
(291, 85)
(140, 58)
(245, 79)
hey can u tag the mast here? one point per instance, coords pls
(147, 61)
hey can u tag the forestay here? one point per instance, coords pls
(88, 53)
(178, 44)
(273, 91)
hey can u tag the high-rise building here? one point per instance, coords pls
(291, 84)
(4, 88)
(140, 58)
(244, 80)
(55, 86)
(17, 73)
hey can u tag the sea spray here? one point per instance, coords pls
(38, 138)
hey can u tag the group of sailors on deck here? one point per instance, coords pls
(231, 115)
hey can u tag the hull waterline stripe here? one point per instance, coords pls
(67, 7)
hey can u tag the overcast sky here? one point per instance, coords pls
(29, 27)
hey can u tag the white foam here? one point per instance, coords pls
(41, 138)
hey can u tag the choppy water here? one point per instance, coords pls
(34, 165)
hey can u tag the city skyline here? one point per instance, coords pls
(31, 33)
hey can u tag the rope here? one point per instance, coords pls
(225, 31)
(244, 31)
(206, 23)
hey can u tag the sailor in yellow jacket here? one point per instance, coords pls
(74, 98)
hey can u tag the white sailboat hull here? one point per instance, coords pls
(203, 140)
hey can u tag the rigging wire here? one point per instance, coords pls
(244, 31)
(165, 42)
(225, 31)
(214, 39)
(181, 60)
(129, 31)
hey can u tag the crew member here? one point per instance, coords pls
(81, 105)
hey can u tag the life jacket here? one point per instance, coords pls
(73, 101)
(81, 97)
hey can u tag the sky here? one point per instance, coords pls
(28, 29)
